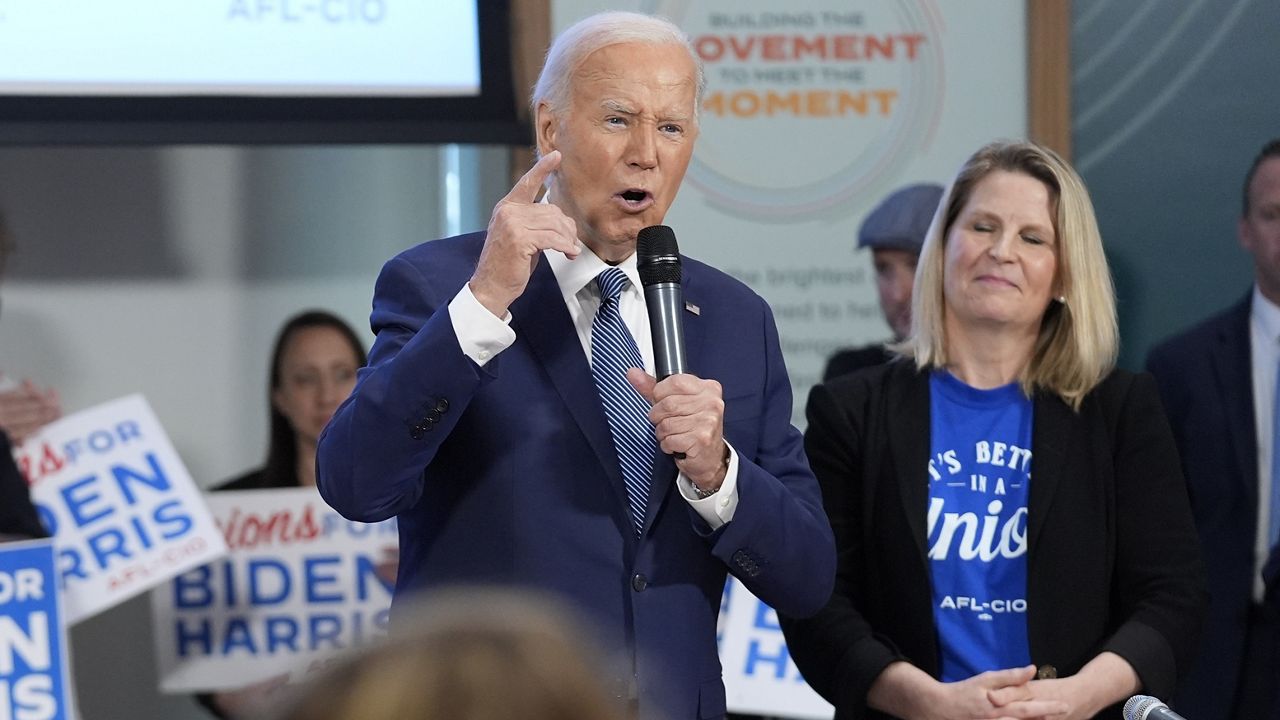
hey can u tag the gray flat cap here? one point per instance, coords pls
(901, 220)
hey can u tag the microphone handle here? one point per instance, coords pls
(1162, 712)
(665, 301)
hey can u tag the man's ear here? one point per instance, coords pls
(545, 127)
(1244, 235)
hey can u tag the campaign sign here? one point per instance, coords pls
(300, 583)
(121, 507)
(759, 676)
(34, 684)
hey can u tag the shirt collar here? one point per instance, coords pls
(1267, 316)
(574, 275)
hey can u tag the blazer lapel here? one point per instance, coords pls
(541, 319)
(909, 441)
(1053, 432)
(1233, 372)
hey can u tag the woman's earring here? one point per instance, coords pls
(1061, 299)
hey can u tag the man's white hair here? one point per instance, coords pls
(572, 47)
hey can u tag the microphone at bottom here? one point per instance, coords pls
(1145, 707)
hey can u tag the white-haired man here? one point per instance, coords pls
(505, 418)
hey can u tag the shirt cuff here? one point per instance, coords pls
(718, 508)
(481, 334)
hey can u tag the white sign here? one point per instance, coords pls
(122, 509)
(759, 675)
(301, 583)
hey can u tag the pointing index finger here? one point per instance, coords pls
(526, 188)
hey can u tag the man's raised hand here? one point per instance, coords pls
(519, 230)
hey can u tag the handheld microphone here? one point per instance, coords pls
(1145, 707)
(658, 262)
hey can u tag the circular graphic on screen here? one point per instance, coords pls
(786, 78)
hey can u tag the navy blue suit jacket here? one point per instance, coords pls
(1205, 378)
(506, 473)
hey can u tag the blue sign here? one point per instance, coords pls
(33, 657)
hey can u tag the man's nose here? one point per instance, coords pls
(642, 150)
(900, 288)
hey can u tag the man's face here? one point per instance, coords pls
(1260, 229)
(895, 274)
(626, 141)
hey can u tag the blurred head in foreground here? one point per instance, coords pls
(466, 655)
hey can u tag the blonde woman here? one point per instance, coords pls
(1011, 520)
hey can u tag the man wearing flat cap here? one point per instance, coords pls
(894, 231)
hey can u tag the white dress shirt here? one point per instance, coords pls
(1264, 339)
(482, 336)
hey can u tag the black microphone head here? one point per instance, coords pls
(657, 256)
(1139, 706)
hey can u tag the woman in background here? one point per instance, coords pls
(313, 369)
(1012, 526)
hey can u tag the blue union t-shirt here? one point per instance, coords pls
(979, 473)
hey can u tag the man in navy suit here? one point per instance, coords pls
(1271, 603)
(1218, 381)
(478, 422)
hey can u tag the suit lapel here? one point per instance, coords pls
(1053, 433)
(541, 319)
(1233, 372)
(909, 438)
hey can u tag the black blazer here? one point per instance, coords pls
(18, 517)
(1205, 377)
(853, 359)
(1112, 557)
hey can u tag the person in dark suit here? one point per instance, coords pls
(1218, 384)
(894, 231)
(1012, 527)
(24, 409)
(1271, 601)
(504, 422)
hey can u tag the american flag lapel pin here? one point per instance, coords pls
(692, 308)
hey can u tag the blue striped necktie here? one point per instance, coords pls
(613, 351)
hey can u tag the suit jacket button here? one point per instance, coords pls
(442, 405)
(639, 582)
(416, 432)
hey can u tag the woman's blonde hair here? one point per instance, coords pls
(1079, 338)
